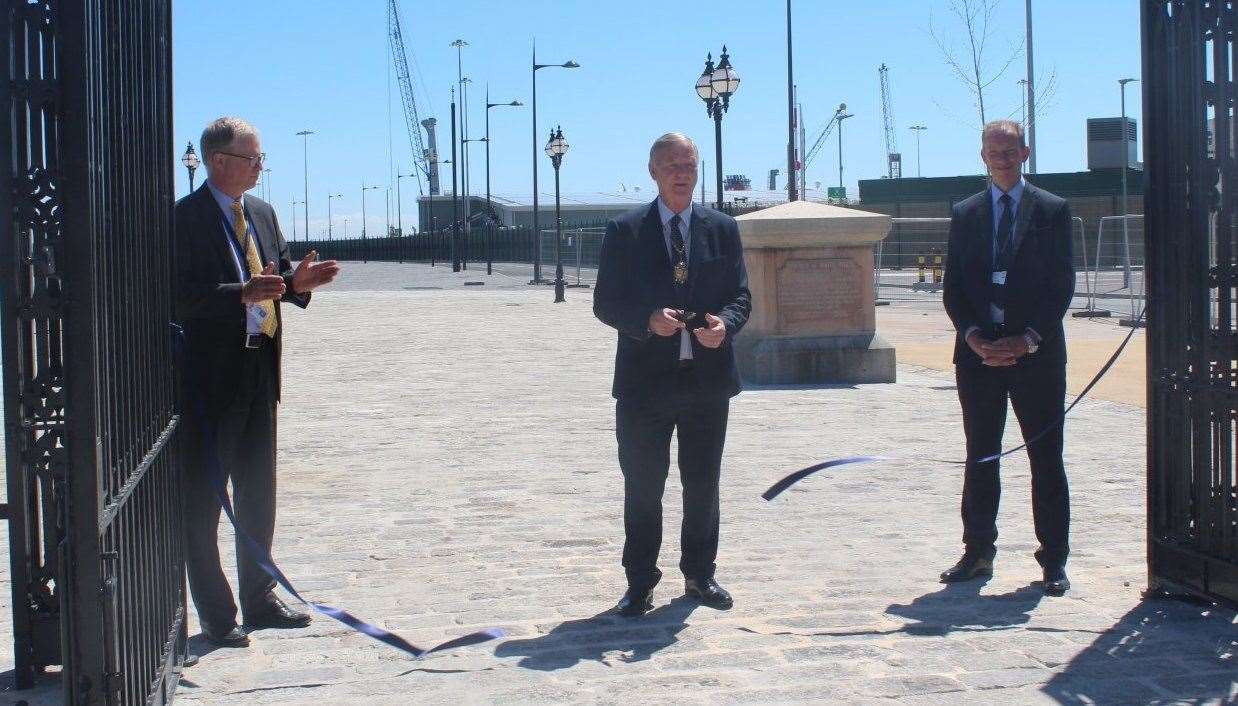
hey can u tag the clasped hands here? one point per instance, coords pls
(998, 353)
(308, 276)
(663, 322)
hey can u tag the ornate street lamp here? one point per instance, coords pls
(715, 86)
(191, 162)
(556, 147)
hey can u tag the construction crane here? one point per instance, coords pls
(424, 159)
(825, 132)
(894, 160)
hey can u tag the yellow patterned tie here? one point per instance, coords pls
(252, 261)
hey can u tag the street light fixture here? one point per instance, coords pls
(399, 202)
(489, 204)
(537, 233)
(919, 129)
(266, 181)
(330, 220)
(191, 162)
(715, 86)
(364, 188)
(842, 115)
(556, 147)
(305, 165)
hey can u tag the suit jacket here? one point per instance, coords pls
(635, 279)
(1039, 283)
(208, 292)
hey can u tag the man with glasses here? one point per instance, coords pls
(233, 270)
(1009, 282)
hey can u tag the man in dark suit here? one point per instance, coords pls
(1009, 282)
(228, 303)
(671, 280)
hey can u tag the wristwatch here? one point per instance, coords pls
(1032, 344)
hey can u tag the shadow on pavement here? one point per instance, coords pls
(1162, 651)
(575, 641)
(959, 606)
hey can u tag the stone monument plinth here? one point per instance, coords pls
(810, 269)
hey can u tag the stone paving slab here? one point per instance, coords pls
(447, 462)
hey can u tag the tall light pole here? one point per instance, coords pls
(537, 233)
(791, 166)
(399, 202)
(365, 255)
(489, 204)
(305, 165)
(919, 129)
(330, 220)
(459, 44)
(556, 147)
(841, 117)
(191, 162)
(1031, 94)
(267, 182)
(715, 86)
(293, 210)
(455, 193)
(1126, 236)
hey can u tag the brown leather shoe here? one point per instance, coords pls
(968, 568)
(277, 615)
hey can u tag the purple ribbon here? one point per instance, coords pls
(776, 489)
(267, 563)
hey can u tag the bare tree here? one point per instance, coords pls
(972, 64)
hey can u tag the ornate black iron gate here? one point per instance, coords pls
(1192, 280)
(93, 479)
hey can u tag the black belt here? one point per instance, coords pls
(255, 340)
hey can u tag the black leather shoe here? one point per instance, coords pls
(233, 637)
(968, 568)
(277, 615)
(709, 593)
(1056, 583)
(635, 603)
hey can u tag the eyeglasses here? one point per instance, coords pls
(253, 161)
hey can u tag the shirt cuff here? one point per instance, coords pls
(970, 330)
(1031, 333)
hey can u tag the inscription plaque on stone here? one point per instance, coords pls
(821, 294)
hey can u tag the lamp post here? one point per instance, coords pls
(293, 210)
(191, 162)
(468, 208)
(556, 147)
(331, 221)
(305, 165)
(364, 232)
(919, 129)
(842, 115)
(1134, 321)
(489, 205)
(537, 233)
(399, 203)
(267, 182)
(715, 86)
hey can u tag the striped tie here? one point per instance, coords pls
(254, 263)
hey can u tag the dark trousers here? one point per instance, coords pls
(245, 447)
(643, 429)
(1037, 393)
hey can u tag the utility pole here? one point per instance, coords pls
(1031, 94)
(791, 194)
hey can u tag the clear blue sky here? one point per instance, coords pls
(323, 65)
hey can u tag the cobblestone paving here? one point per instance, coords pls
(447, 463)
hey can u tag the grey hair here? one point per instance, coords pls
(221, 133)
(669, 139)
(1004, 127)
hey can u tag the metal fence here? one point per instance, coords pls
(1192, 289)
(92, 472)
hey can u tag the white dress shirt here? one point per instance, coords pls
(666, 214)
(253, 312)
